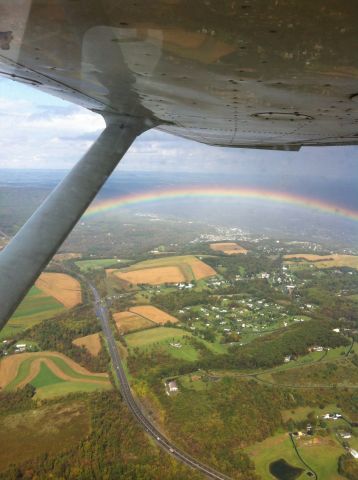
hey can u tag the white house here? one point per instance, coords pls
(173, 387)
(353, 452)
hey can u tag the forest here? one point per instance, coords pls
(116, 448)
(58, 333)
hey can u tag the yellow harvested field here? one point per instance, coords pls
(230, 248)
(152, 276)
(128, 322)
(154, 314)
(91, 342)
(175, 269)
(66, 289)
(9, 367)
(326, 261)
(201, 269)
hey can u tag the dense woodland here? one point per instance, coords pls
(58, 333)
(348, 467)
(17, 401)
(216, 423)
(251, 264)
(116, 448)
(270, 350)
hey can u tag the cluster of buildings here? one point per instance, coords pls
(182, 286)
(9, 347)
(224, 234)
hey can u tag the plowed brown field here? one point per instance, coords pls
(152, 276)
(326, 261)
(228, 248)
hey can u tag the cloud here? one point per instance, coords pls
(40, 131)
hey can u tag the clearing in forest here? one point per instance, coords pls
(63, 287)
(165, 270)
(154, 314)
(230, 248)
(325, 261)
(91, 342)
(98, 263)
(62, 257)
(51, 373)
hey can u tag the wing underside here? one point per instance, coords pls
(244, 74)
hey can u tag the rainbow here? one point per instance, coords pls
(224, 193)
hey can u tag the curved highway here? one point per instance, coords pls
(102, 314)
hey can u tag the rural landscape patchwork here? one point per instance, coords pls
(239, 347)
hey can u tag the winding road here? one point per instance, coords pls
(103, 316)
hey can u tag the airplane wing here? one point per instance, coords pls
(276, 74)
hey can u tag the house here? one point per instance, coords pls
(332, 416)
(353, 452)
(316, 349)
(20, 347)
(173, 387)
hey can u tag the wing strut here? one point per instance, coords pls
(37, 241)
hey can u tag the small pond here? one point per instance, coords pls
(282, 470)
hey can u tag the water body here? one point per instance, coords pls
(282, 470)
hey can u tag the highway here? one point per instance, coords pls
(103, 316)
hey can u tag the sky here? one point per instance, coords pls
(40, 131)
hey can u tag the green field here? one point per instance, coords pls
(195, 381)
(85, 265)
(163, 336)
(60, 389)
(70, 372)
(155, 335)
(45, 377)
(322, 456)
(35, 308)
(300, 413)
